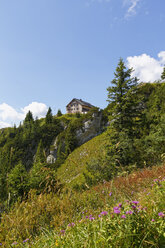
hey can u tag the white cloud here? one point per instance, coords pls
(38, 109)
(147, 68)
(10, 116)
(132, 9)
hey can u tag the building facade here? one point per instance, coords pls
(78, 106)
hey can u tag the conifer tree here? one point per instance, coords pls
(163, 74)
(121, 96)
(59, 113)
(49, 116)
(29, 117)
(124, 112)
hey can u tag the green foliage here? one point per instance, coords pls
(47, 214)
(17, 182)
(59, 113)
(40, 156)
(28, 118)
(49, 116)
(121, 96)
(163, 74)
(43, 179)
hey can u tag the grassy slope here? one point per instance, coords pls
(71, 172)
(144, 228)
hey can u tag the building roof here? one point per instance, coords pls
(80, 101)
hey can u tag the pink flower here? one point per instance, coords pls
(135, 202)
(123, 216)
(116, 211)
(104, 213)
(161, 214)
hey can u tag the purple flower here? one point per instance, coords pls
(0, 243)
(91, 218)
(104, 213)
(99, 215)
(116, 211)
(120, 205)
(123, 216)
(71, 224)
(161, 214)
(135, 202)
(62, 231)
(152, 220)
(26, 240)
(148, 193)
(116, 208)
(133, 206)
(110, 193)
(15, 243)
(86, 217)
(129, 212)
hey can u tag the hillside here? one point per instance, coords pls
(74, 167)
(89, 158)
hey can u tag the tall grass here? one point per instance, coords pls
(88, 219)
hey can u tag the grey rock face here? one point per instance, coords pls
(89, 130)
(50, 159)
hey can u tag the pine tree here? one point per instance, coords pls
(163, 74)
(29, 117)
(124, 113)
(121, 97)
(59, 113)
(49, 116)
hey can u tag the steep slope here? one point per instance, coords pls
(72, 171)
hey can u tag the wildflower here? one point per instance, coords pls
(116, 211)
(148, 193)
(24, 241)
(152, 220)
(116, 208)
(161, 214)
(0, 243)
(120, 205)
(129, 212)
(110, 193)
(104, 213)
(71, 224)
(62, 231)
(99, 215)
(91, 218)
(133, 206)
(15, 243)
(123, 216)
(86, 217)
(135, 202)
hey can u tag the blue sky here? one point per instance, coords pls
(54, 50)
